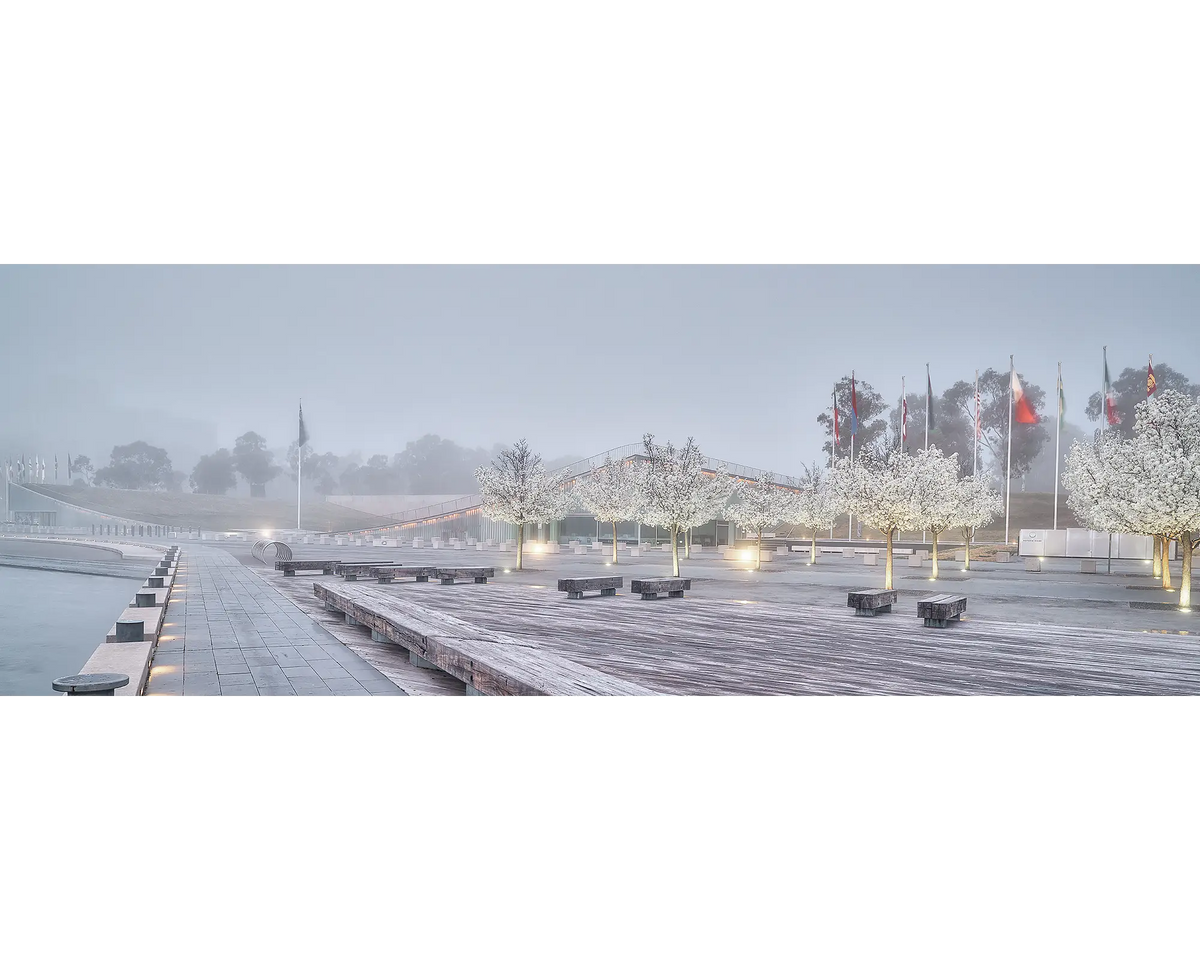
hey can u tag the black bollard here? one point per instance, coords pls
(91, 684)
(129, 631)
(144, 599)
(156, 583)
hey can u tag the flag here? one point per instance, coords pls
(1151, 384)
(1110, 398)
(303, 431)
(978, 410)
(928, 400)
(853, 407)
(1062, 403)
(904, 419)
(56, 468)
(837, 438)
(1024, 412)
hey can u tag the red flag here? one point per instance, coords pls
(1024, 412)
(1151, 384)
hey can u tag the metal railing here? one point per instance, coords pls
(260, 548)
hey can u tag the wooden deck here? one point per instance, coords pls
(720, 646)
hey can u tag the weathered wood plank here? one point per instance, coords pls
(491, 662)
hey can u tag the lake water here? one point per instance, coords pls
(51, 622)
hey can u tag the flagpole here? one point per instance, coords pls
(832, 451)
(854, 430)
(1057, 439)
(903, 416)
(299, 467)
(1008, 467)
(1104, 394)
(975, 465)
(928, 402)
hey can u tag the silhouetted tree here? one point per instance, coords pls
(1028, 438)
(137, 466)
(254, 462)
(1130, 389)
(951, 433)
(872, 425)
(214, 473)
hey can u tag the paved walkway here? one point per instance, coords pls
(228, 632)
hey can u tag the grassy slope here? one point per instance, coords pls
(209, 512)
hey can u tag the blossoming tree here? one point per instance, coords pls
(708, 502)
(673, 489)
(978, 503)
(817, 504)
(1148, 485)
(612, 494)
(884, 495)
(760, 506)
(937, 494)
(516, 489)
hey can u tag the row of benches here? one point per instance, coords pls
(649, 588)
(386, 572)
(938, 610)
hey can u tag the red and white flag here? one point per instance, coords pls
(1021, 407)
(904, 420)
(978, 408)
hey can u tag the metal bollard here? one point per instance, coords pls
(144, 599)
(91, 684)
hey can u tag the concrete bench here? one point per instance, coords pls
(940, 609)
(1088, 566)
(867, 603)
(915, 560)
(289, 567)
(1002, 556)
(652, 587)
(1033, 564)
(386, 574)
(575, 586)
(477, 574)
(357, 568)
(870, 559)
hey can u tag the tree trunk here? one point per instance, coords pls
(887, 565)
(935, 556)
(758, 552)
(1166, 563)
(1157, 558)
(674, 550)
(813, 557)
(520, 542)
(687, 543)
(614, 541)
(1185, 579)
(967, 546)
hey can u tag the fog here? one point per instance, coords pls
(576, 359)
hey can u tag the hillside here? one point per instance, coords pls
(207, 511)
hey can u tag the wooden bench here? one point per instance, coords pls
(867, 603)
(575, 586)
(388, 573)
(940, 609)
(486, 661)
(478, 574)
(352, 570)
(651, 588)
(289, 567)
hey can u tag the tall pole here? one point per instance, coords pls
(850, 516)
(299, 467)
(1057, 439)
(903, 418)
(853, 431)
(975, 465)
(1008, 467)
(928, 407)
(1104, 394)
(832, 451)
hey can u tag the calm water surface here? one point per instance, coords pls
(51, 622)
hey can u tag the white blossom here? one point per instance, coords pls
(884, 495)
(759, 506)
(816, 505)
(516, 489)
(938, 501)
(612, 493)
(675, 492)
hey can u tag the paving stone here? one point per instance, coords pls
(233, 670)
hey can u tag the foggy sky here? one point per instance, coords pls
(576, 359)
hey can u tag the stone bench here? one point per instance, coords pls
(652, 587)
(1088, 566)
(940, 609)
(477, 574)
(575, 586)
(1033, 564)
(358, 568)
(289, 567)
(867, 603)
(386, 574)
